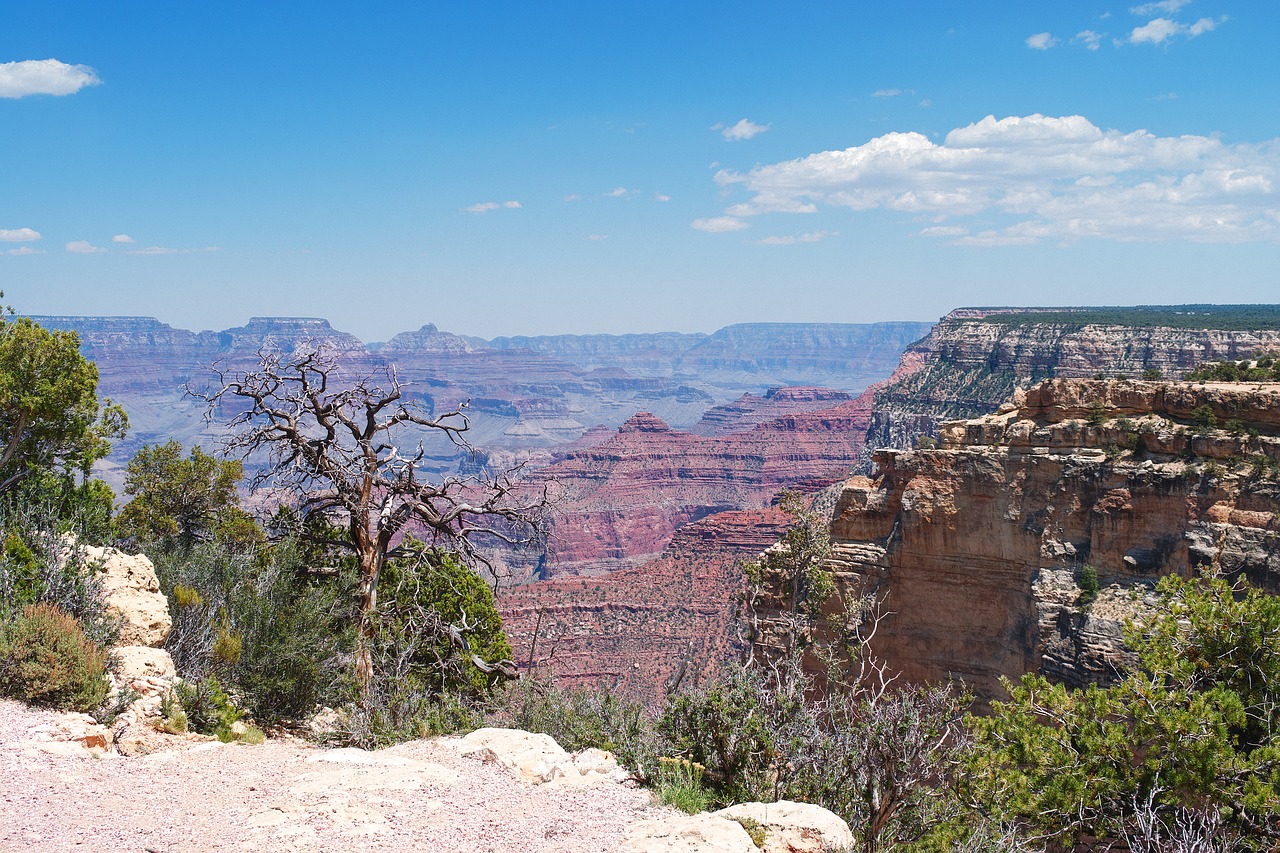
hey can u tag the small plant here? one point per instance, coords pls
(209, 710)
(757, 830)
(1088, 585)
(172, 718)
(46, 659)
(1153, 374)
(1097, 413)
(680, 785)
(1205, 419)
(926, 442)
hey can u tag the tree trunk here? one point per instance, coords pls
(366, 607)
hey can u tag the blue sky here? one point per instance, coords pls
(522, 168)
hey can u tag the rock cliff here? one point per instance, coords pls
(975, 358)
(643, 630)
(977, 547)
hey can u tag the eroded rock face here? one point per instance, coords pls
(132, 593)
(969, 364)
(644, 631)
(979, 544)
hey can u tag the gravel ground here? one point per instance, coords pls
(419, 796)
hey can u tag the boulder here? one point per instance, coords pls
(70, 734)
(147, 672)
(537, 758)
(700, 833)
(132, 592)
(792, 827)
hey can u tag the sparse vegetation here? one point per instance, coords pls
(46, 659)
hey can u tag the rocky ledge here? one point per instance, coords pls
(978, 547)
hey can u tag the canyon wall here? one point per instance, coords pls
(977, 548)
(975, 358)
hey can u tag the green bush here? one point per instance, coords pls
(679, 784)
(46, 659)
(1088, 585)
(208, 708)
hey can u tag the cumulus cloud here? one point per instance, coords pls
(1033, 178)
(24, 250)
(44, 77)
(18, 235)
(1160, 30)
(790, 240)
(1041, 41)
(122, 238)
(486, 206)
(618, 192)
(719, 224)
(83, 247)
(1089, 38)
(744, 129)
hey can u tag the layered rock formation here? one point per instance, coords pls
(621, 500)
(976, 547)
(645, 630)
(526, 394)
(975, 358)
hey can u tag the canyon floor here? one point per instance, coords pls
(284, 795)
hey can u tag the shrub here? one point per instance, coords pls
(46, 659)
(679, 784)
(1088, 585)
(208, 708)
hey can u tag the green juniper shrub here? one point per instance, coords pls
(46, 659)
(1088, 582)
(208, 708)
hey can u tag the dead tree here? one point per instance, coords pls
(333, 444)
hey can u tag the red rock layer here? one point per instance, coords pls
(639, 631)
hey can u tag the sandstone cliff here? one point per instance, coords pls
(975, 358)
(977, 547)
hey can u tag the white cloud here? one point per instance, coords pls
(1089, 38)
(788, 240)
(1041, 41)
(164, 250)
(1168, 7)
(1160, 30)
(44, 77)
(886, 93)
(944, 231)
(573, 197)
(926, 103)
(597, 236)
(619, 192)
(486, 206)
(24, 250)
(1155, 31)
(719, 224)
(83, 247)
(744, 129)
(122, 238)
(18, 235)
(1033, 178)
(661, 197)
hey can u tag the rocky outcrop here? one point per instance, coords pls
(975, 358)
(132, 594)
(977, 547)
(791, 827)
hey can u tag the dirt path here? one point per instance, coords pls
(286, 795)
